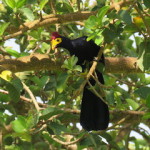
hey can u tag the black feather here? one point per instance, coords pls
(94, 112)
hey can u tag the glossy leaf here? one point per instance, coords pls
(20, 3)
(42, 4)
(11, 3)
(125, 16)
(12, 52)
(146, 3)
(148, 101)
(143, 92)
(70, 63)
(28, 13)
(101, 13)
(58, 128)
(62, 82)
(19, 125)
(132, 103)
(91, 22)
(13, 92)
(3, 27)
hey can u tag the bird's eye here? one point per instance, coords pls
(58, 40)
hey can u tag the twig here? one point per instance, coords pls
(1, 139)
(132, 5)
(43, 125)
(97, 94)
(23, 98)
(37, 47)
(146, 137)
(80, 23)
(91, 71)
(3, 52)
(145, 22)
(97, 81)
(124, 82)
(119, 122)
(78, 5)
(66, 143)
(32, 97)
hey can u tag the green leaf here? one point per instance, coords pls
(36, 33)
(20, 3)
(101, 13)
(143, 92)
(13, 92)
(70, 63)
(99, 40)
(140, 62)
(144, 56)
(3, 27)
(92, 36)
(109, 81)
(51, 85)
(147, 3)
(61, 82)
(58, 128)
(45, 47)
(11, 3)
(110, 97)
(19, 125)
(78, 68)
(148, 101)
(132, 103)
(64, 7)
(4, 97)
(40, 81)
(91, 22)
(28, 13)
(130, 28)
(49, 112)
(43, 80)
(14, 88)
(109, 35)
(32, 44)
(31, 1)
(17, 84)
(146, 116)
(42, 4)
(12, 52)
(125, 16)
(32, 120)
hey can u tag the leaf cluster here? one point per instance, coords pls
(124, 32)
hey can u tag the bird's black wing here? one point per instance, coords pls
(94, 112)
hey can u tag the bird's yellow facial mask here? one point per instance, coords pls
(55, 42)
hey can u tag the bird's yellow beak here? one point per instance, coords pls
(55, 42)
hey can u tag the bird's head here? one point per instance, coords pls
(56, 40)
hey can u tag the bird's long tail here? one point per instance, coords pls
(94, 112)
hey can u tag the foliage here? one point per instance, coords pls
(53, 122)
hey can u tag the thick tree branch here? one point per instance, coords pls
(37, 62)
(56, 19)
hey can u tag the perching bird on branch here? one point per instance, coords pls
(94, 112)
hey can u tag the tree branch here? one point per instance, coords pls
(56, 19)
(37, 62)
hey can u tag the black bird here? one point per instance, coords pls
(94, 112)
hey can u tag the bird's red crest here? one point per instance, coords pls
(55, 35)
